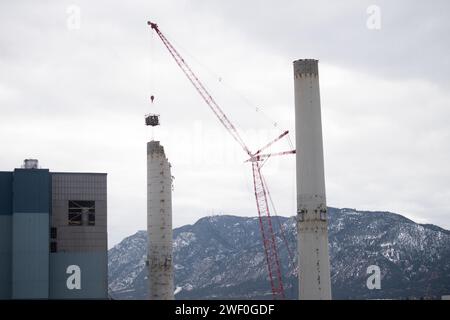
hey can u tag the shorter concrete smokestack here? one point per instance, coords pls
(159, 223)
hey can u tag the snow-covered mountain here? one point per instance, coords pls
(223, 257)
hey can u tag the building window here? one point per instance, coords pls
(91, 219)
(323, 214)
(53, 247)
(81, 213)
(301, 215)
(53, 233)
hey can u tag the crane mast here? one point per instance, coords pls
(260, 188)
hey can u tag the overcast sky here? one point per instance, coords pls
(76, 77)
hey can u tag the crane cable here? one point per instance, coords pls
(282, 231)
(152, 64)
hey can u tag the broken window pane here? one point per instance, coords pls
(81, 212)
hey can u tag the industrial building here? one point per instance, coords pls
(53, 234)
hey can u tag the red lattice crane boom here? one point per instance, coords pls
(260, 188)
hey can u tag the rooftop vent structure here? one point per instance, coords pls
(30, 164)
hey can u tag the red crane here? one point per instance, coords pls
(260, 187)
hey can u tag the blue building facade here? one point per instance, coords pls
(53, 235)
(6, 210)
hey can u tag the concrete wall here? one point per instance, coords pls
(94, 275)
(5, 234)
(30, 234)
(30, 257)
(79, 186)
(84, 246)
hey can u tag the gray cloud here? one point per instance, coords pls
(75, 99)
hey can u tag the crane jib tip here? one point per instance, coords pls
(152, 25)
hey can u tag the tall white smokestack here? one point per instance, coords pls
(159, 223)
(312, 222)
